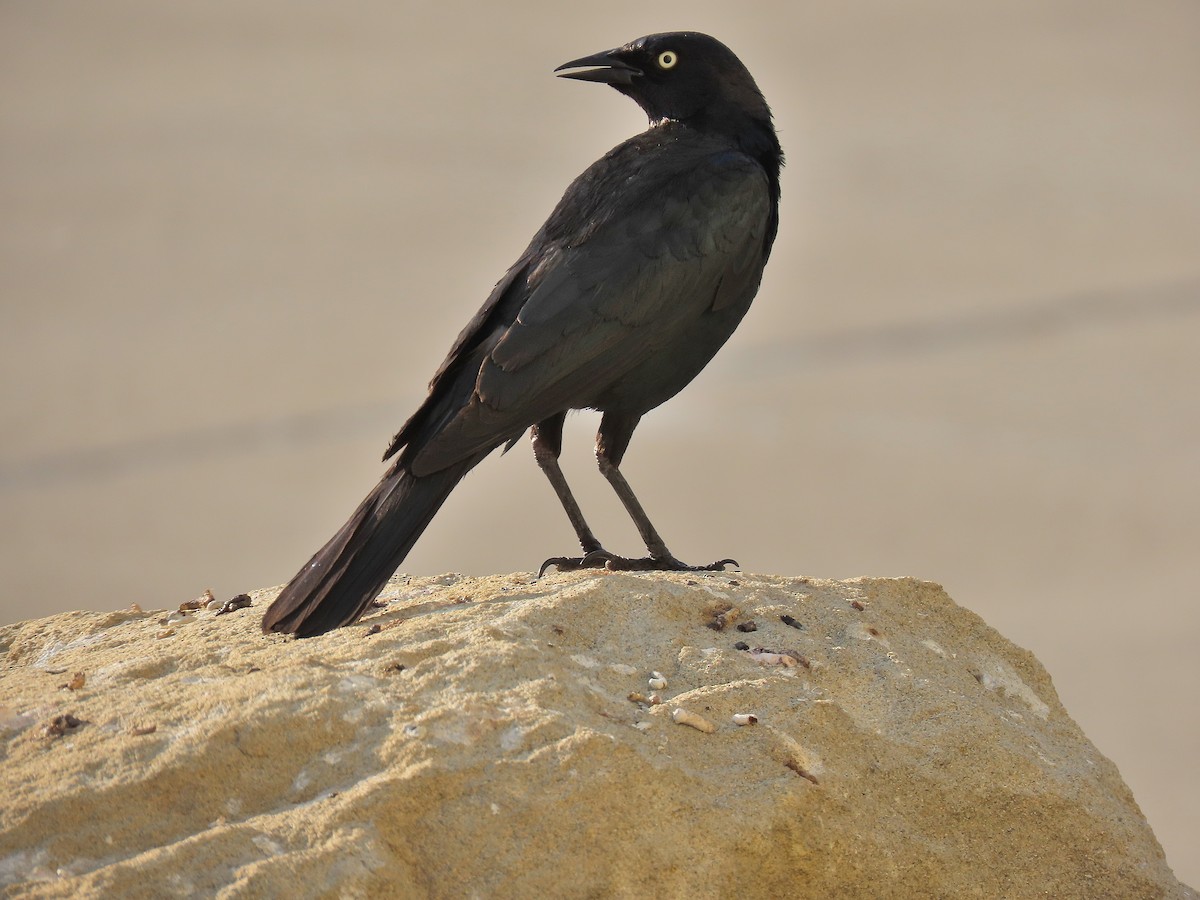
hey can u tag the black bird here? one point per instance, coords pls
(639, 276)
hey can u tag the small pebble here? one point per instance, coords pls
(657, 682)
(200, 602)
(745, 719)
(60, 725)
(241, 601)
(76, 682)
(788, 620)
(748, 626)
(721, 615)
(683, 717)
(643, 700)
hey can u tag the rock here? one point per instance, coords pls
(483, 743)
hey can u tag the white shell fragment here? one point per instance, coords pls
(683, 717)
(745, 719)
(657, 682)
(767, 658)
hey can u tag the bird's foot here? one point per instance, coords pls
(667, 563)
(602, 559)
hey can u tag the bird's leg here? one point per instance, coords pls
(660, 559)
(547, 445)
(611, 443)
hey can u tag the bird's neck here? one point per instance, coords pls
(752, 135)
(758, 139)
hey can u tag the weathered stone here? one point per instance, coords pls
(484, 743)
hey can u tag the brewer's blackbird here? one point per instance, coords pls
(639, 276)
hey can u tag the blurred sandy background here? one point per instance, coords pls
(236, 239)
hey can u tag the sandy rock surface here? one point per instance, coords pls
(573, 736)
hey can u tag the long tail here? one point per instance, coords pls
(343, 577)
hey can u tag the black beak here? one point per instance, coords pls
(613, 70)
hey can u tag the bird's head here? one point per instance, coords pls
(683, 76)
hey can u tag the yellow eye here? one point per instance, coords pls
(667, 59)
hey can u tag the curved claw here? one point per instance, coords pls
(597, 559)
(562, 563)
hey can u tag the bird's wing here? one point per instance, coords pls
(662, 252)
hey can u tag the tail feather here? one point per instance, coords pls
(337, 585)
